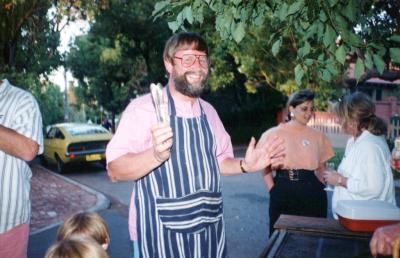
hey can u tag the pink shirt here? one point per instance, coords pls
(306, 148)
(133, 134)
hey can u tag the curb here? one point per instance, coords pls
(102, 201)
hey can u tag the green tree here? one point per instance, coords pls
(29, 38)
(120, 56)
(30, 32)
(316, 35)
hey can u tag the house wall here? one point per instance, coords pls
(387, 108)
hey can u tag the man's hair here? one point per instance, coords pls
(76, 247)
(183, 41)
(85, 224)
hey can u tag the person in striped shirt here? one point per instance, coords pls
(21, 139)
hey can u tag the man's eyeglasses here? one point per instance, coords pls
(187, 60)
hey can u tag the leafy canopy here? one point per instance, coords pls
(320, 34)
(120, 55)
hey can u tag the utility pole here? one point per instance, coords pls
(66, 115)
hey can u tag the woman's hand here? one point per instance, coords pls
(162, 137)
(320, 176)
(331, 177)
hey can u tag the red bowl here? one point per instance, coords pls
(364, 225)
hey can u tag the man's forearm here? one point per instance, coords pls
(133, 166)
(17, 145)
(230, 166)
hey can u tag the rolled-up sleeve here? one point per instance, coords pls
(223, 140)
(326, 149)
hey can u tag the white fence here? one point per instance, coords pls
(325, 122)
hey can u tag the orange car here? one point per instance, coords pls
(75, 143)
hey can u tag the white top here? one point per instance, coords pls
(20, 112)
(366, 165)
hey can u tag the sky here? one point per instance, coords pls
(68, 36)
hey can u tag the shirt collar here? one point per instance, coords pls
(364, 134)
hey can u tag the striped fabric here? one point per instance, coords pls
(179, 204)
(20, 112)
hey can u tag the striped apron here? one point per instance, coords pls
(179, 204)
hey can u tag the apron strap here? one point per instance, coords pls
(171, 103)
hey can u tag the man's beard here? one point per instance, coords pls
(187, 89)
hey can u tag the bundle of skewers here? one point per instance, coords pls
(160, 104)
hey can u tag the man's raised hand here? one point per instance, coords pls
(162, 137)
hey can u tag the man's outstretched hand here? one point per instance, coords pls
(270, 154)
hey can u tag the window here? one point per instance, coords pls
(51, 134)
(59, 134)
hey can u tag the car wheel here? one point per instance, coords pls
(104, 164)
(60, 165)
(43, 160)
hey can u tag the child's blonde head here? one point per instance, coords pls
(76, 247)
(85, 224)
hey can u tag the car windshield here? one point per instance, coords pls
(85, 130)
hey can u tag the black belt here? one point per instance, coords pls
(295, 174)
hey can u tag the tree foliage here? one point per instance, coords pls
(29, 39)
(30, 32)
(317, 36)
(120, 56)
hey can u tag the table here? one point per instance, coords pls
(308, 237)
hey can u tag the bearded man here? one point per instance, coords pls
(176, 205)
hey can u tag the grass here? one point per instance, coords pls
(339, 153)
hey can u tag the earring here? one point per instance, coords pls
(291, 114)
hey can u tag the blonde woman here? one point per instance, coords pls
(297, 187)
(364, 172)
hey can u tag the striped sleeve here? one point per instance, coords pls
(28, 120)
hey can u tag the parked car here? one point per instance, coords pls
(68, 143)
